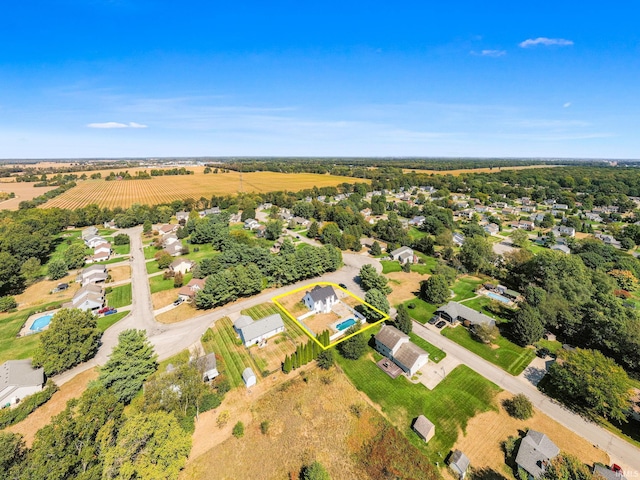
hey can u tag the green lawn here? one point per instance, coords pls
(149, 252)
(119, 296)
(122, 249)
(205, 250)
(12, 347)
(552, 346)
(152, 267)
(223, 341)
(112, 260)
(262, 310)
(415, 234)
(458, 398)
(422, 312)
(465, 287)
(508, 356)
(158, 284)
(106, 322)
(426, 267)
(435, 354)
(481, 303)
(390, 266)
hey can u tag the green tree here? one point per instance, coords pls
(567, 467)
(314, 230)
(375, 249)
(485, 333)
(147, 447)
(353, 348)
(178, 280)
(57, 269)
(370, 279)
(325, 359)
(12, 454)
(476, 254)
(377, 299)
(520, 238)
(286, 365)
(131, 362)
(72, 338)
(164, 259)
(122, 239)
(526, 327)
(519, 406)
(435, 289)
(7, 303)
(238, 430)
(315, 471)
(31, 269)
(273, 230)
(403, 320)
(588, 380)
(146, 227)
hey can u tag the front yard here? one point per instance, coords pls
(119, 296)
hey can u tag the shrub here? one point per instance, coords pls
(10, 416)
(264, 427)
(121, 239)
(223, 418)
(210, 401)
(519, 407)
(238, 430)
(7, 303)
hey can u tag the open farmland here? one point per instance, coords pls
(23, 190)
(158, 190)
(460, 171)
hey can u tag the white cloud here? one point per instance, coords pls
(532, 42)
(566, 105)
(116, 125)
(493, 53)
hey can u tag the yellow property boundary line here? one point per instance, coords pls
(311, 334)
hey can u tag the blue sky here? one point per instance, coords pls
(118, 78)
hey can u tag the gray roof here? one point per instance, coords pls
(608, 473)
(94, 268)
(20, 373)
(423, 426)
(260, 327)
(459, 462)
(390, 336)
(408, 354)
(401, 250)
(242, 322)
(536, 449)
(321, 294)
(209, 362)
(455, 310)
(562, 248)
(247, 373)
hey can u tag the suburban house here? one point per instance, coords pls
(19, 379)
(261, 231)
(607, 473)
(180, 216)
(188, 291)
(167, 228)
(320, 299)
(89, 232)
(104, 247)
(98, 257)
(93, 274)
(560, 206)
(169, 239)
(88, 300)
(594, 217)
(523, 224)
(210, 211)
(251, 224)
(90, 289)
(459, 463)
(209, 367)
(491, 229)
(561, 248)
(458, 238)
(564, 231)
(456, 312)
(403, 255)
(300, 221)
(417, 221)
(254, 332)
(175, 249)
(536, 449)
(249, 377)
(397, 347)
(93, 241)
(608, 239)
(182, 265)
(424, 428)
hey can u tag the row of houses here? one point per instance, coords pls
(101, 248)
(92, 274)
(90, 297)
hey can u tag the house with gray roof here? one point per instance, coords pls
(607, 473)
(536, 449)
(254, 332)
(89, 232)
(403, 255)
(209, 366)
(397, 347)
(424, 428)
(320, 299)
(561, 248)
(18, 379)
(456, 312)
(459, 463)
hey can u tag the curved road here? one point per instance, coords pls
(620, 451)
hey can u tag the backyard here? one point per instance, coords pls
(158, 284)
(119, 296)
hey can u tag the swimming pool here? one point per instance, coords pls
(40, 323)
(500, 298)
(346, 324)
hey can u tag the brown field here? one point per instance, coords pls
(39, 292)
(179, 314)
(404, 285)
(164, 298)
(23, 191)
(485, 431)
(455, 173)
(299, 417)
(42, 416)
(165, 189)
(120, 273)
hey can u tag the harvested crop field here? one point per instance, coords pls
(124, 193)
(23, 190)
(460, 171)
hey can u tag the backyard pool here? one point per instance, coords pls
(500, 298)
(40, 323)
(346, 324)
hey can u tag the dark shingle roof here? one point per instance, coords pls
(535, 450)
(321, 294)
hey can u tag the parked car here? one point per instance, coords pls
(110, 311)
(543, 352)
(104, 310)
(178, 302)
(342, 285)
(62, 286)
(433, 320)
(441, 324)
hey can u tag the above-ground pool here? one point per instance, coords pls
(346, 324)
(40, 323)
(500, 298)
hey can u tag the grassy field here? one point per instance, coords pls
(204, 251)
(122, 249)
(159, 190)
(119, 296)
(508, 356)
(152, 267)
(224, 342)
(159, 284)
(465, 287)
(23, 190)
(435, 354)
(457, 399)
(422, 310)
(426, 267)
(106, 322)
(390, 266)
(12, 347)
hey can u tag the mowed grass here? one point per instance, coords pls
(159, 284)
(160, 190)
(508, 356)
(12, 347)
(224, 342)
(122, 249)
(105, 322)
(119, 296)
(458, 398)
(390, 266)
(465, 287)
(422, 310)
(435, 354)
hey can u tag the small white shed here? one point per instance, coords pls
(249, 377)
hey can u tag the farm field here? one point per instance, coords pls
(23, 190)
(158, 190)
(455, 173)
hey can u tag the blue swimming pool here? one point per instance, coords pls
(346, 324)
(40, 323)
(500, 298)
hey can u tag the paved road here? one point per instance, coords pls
(620, 451)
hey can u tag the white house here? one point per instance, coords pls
(251, 224)
(249, 377)
(94, 241)
(182, 265)
(19, 379)
(104, 247)
(90, 289)
(89, 232)
(169, 239)
(320, 299)
(397, 347)
(209, 367)
(188, 291)
(254, 332)
(403, 255)
(564, 231)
